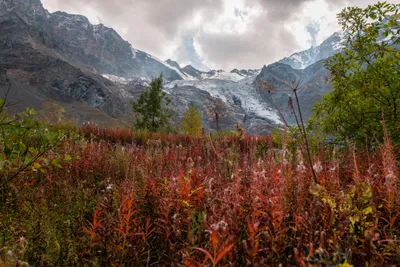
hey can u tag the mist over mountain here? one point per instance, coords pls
(186, 53)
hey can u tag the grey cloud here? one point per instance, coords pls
(171, 13)
(148, 25)
(280, 9)
(155, 25)
(265, 42)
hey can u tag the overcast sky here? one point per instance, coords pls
(223, 34)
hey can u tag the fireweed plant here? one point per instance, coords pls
(126, 198)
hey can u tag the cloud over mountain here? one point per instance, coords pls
(225, 33)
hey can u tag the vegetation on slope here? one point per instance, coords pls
(142, 199)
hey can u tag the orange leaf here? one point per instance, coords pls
(87, 230)
(255, 248)
(251, 230)
(120, 231)
(392, 221)
(214, 240)
(192, 263)
(222, 253)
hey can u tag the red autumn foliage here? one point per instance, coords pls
(134, 199)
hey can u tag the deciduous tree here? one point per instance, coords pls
(192, 124)
(365, 76)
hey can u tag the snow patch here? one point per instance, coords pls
(116, 79)
(254, 106)
(338, 45)
(234, 77)
(206, 85)
(134, 52)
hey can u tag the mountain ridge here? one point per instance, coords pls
(88, 69)
(330, 46)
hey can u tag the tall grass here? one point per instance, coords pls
(143, 199)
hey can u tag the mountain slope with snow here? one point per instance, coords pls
(190, 73)
(92, 74)
(240, 98)
(328, 48)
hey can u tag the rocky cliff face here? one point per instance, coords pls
(102, 50)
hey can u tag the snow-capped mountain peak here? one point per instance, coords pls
(329, 47)
(246, 73)
(191, 73)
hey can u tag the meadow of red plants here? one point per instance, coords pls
(120, 198)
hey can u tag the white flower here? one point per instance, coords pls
(317, 167)
(220, 225)
(109, 187)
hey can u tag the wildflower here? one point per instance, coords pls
(109, 187)
(301, 167)
(220, 225)
(317, 167)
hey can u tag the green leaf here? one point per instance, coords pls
(32, 150)
(367, 210)
(37, 165)
(55, 163)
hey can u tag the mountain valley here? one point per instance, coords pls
(68, 69)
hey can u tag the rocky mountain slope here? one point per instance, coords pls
(306, 58)
(69, 69)
(102, 50)
(312, 83)
(61, 57)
